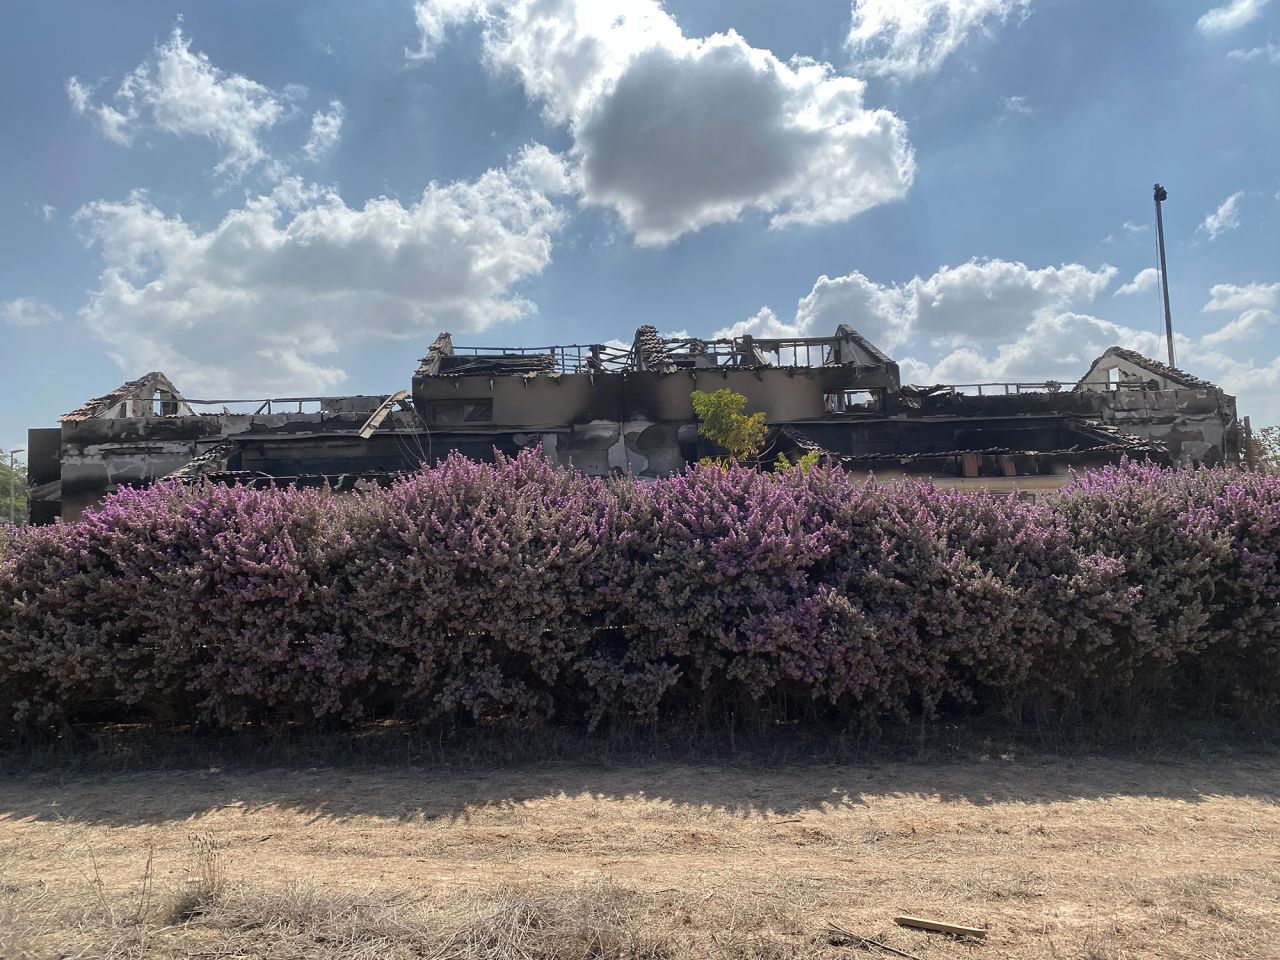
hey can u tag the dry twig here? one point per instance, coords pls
(867, 942)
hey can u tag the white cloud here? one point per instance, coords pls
(1013, 107)
(434, 19)
(183, 93)
(1225, 219)
(29, 312)
(1131, 230)
(1054, 347)
(269, 299)
(676, 133)
(1144, 281)
(908, 38)
(1247, 326)
(981, 301)
(985, 299)
(115, 126)
(1255, 386)
(1255, 305)
(1251, 296)
(1268, 51)
(1233, 16)
(880, 311)
(48, 211)
(326, 130)
(78, 94)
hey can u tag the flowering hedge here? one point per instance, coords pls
(520, 591)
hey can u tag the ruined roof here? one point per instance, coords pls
(500, 364)
(212, 461)
(650, 351)
(445, 360)
(1163, 370)
(144, 388)
(844, 330)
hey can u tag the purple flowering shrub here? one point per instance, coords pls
(477, 587)
(716, 597)
(474, 592)
(1243, 508)
(214, 603)
(1175, 557)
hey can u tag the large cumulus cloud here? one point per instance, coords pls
(677, 133)
(269, 298)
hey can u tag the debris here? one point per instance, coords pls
(384, 408)
(940, 926)
(867, 943)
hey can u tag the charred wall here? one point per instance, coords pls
(1197, 426)
(550, 401)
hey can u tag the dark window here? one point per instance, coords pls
(447, 412)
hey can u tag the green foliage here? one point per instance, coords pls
(1265, 448)
(804, 464)
(722, 421)
(18, 479)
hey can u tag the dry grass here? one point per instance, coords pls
(1077, 858)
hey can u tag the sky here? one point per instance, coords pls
(289, 199)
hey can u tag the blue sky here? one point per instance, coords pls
(266, 200)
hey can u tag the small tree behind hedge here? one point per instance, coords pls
(1263, 448)
(722, 421)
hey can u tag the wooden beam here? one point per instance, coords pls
(940, 926)
(384, 408)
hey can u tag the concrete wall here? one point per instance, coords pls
(638, 448)
(1199, 426)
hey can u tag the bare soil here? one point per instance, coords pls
(1056, 857)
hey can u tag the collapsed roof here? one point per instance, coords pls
(651, 352)
(1161, 371)
(152, 395)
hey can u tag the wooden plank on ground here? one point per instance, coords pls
(939, 926)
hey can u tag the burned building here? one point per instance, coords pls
(605, 409)
(627, 409)
(1194, 419)
(146, 429)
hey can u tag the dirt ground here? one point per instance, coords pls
(1096, 858)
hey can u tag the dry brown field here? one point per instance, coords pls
(1071, 857)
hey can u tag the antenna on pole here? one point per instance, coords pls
(1161, 194)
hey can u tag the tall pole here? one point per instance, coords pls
(1161, 195)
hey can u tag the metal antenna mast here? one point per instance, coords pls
(1161, 195)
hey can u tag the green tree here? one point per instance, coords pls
(19, 487)
(807, 462)
(1264, 448)
(722, 421)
